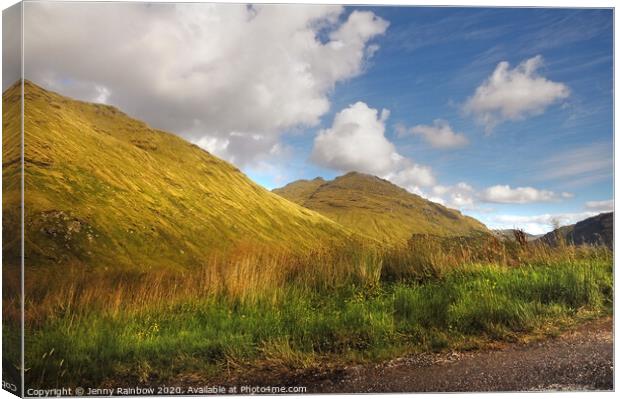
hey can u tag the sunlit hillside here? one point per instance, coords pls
(102, 188)
(377, 208)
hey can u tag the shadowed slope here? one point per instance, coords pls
(595, 230)
(377, 208)
(102, 188)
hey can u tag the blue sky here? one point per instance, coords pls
(431, 60)
(503, 113)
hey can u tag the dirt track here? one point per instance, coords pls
(577, 360)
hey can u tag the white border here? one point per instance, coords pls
(472, 3)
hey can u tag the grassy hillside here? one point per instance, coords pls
(11, 177)
(11, 257)
(102, 188)
(377, 208)
(300, 190)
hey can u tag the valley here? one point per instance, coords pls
(149, 260)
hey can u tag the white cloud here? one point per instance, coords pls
(238, 147)
(103, 94)
(412, 176)
(600, 206)
(356, 142)
(438, 135)
(519, 195)
(513, 94)
(211, 72)
(464, 197)
(460, 196)
(537, 224)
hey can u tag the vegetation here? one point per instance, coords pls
(105, 190)
(296, 311)
(148, 259)
(11, 210)
(378, 209)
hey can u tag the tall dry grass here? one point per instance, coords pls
(428, 256)
(257, 302)
(251, 273)
(245, 275)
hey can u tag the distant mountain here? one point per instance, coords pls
(598, 229)
(377, 208)
(102, 188)
(509, 234)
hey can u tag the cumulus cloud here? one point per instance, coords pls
(504, 194)
(214, 73)
(600, 206)
(460, 196)
(356, 142)
(412, 176)
(513, 94)
(438, 135)
(239, 147)
(465, 197)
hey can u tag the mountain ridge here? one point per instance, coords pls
(377, 208)
(595, 230)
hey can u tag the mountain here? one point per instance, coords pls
(299, 190)
(597, 229)
(104, 189)
(377, 208)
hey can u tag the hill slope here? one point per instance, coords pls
(377, 208)
(597, 229)
(103, 188)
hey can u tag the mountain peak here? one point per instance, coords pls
(377, 208)
(357, 175)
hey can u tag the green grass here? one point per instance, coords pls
(296, 327)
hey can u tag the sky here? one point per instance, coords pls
(503, 113)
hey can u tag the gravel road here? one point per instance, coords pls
(578, 360)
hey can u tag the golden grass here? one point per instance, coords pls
(427, 255)
(250, 273)
(107, 190)
(287, 307)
